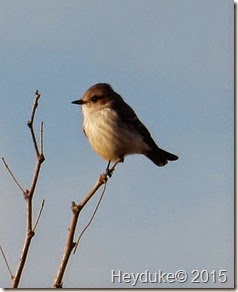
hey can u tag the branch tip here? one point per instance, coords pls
(39, 215)
(37, 94)
(13, 177)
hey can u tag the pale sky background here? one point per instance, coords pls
(172, 61)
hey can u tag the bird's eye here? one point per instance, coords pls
(94, 98)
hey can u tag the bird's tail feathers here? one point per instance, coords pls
(160, 157)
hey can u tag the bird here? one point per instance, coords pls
(113, 128)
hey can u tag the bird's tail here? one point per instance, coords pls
(160, 157)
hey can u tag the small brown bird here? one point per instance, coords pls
(113, 128)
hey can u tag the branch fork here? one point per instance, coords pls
(29, 193)
(76, 209)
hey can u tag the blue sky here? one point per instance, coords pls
(172, 61)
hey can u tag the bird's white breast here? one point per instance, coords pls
(108, 136)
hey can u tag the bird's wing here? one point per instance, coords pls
(127, 115)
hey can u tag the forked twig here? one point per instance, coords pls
(28, 194)
(76, 209)
(91, 219)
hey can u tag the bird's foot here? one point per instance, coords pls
(109, 171)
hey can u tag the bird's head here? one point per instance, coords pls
(96, 97)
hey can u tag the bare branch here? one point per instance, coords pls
(70, 244)
(39, 215)
(28, 194)
(68, 247)
(76, 209)
(101, 180)
(12, 175)
(6, 262)
(17, 277)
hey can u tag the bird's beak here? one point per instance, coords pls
(79, 101)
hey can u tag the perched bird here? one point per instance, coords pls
(113, 128)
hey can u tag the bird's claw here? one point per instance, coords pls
(109, 171)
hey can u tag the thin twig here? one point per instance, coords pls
(31, 121)
(12, 175)
(39, 215)
(41, 138)
(34, 107)
(6, 262)
(101, 180)
(91, 219)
